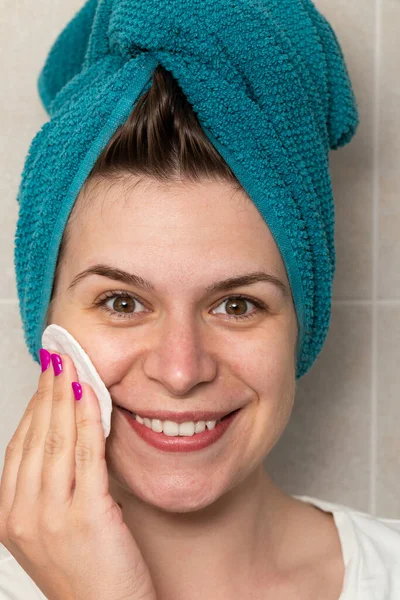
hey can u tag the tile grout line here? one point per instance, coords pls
(375, 258)
(383, 302)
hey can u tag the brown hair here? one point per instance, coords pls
(162, 140)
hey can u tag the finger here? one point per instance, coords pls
(59, 451)
(12, 460)
(29, 480)
(91, 475)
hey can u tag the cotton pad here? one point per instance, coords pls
(57, 338)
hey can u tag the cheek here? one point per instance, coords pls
(271, 373)
(105, 348)
(269, 362)
(275, 386)
(110, 352)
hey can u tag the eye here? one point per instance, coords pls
(238, 303)
(119, 303)
(123, 305)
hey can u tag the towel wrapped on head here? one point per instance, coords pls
(268, 82)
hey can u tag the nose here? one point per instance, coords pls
(179, 358)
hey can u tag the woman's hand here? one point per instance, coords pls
(57, 517)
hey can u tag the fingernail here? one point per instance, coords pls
(57, 364)
(44, 359)
(77, 390)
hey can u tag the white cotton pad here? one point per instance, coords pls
(57, 338)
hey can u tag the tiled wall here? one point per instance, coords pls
(342, 443)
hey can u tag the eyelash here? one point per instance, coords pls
(101, 303)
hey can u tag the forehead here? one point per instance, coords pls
(130, 195)
(207, 219)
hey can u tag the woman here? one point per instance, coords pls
(169, 273)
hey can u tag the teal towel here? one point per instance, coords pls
(269, 84)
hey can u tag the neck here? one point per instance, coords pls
(219, 547)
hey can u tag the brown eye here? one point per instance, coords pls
(234, 306)
(120, 305)
(124, 304)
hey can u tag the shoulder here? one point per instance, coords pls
(15, 583)
(372, 530)
(380, 537)
(371, 551)
(377, 540)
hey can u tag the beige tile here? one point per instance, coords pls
(388, 418)
(354, 26)
(8, 219)
(325, 450)
(19, 374)
(389, 154)
(389, 236)
(389, 86)
(27, 31)
(353, 194)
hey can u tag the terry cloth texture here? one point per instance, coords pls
(269, 84)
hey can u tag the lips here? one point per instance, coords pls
(178, 443)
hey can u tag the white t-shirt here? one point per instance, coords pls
(370, 546)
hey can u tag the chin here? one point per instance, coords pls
(175, 493)
(181, 493)
(178, 505)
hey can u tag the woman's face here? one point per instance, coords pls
(178, 346)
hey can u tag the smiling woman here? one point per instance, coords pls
(188, 247)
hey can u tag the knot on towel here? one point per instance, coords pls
(265, 46)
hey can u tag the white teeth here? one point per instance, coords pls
(156, 425)
(185, 428)
(173, 429)
(200, 426)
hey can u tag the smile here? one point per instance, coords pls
(173, 437)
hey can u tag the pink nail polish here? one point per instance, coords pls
(57, 364)
(44, 356)
(77, 390)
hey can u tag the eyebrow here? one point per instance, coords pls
(137, 281)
